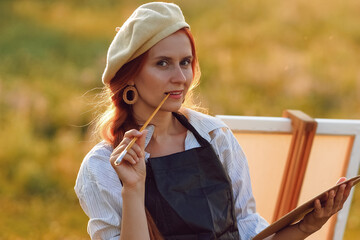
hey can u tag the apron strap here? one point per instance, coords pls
(183, 120)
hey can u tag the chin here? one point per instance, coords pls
(172, 107)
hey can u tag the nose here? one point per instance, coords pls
(179, 75)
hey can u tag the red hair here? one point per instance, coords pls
(118, 117)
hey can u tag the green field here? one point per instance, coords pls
(257, 58)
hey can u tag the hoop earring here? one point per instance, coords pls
(130, 95)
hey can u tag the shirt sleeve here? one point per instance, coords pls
(99, 191)
(231, 155)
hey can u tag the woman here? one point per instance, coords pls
(186, 177)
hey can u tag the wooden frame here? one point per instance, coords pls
(349, 129)
(303, 132)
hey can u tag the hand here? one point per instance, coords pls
(132, 169)
(331, 204)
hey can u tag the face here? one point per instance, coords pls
(167, 69)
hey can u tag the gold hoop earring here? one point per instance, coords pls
(130, 95)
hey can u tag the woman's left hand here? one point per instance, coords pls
(332, 203)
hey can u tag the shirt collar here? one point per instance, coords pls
(203, 123)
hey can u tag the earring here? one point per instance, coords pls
(130, 95)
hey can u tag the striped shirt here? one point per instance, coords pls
(99, 190)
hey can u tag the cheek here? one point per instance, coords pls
(144, 79)
(188, 73)
(189, 78)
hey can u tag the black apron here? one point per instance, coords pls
(189, 194)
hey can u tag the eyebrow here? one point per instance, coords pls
(169, 58)
(162, 57)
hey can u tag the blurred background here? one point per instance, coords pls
(257, 58)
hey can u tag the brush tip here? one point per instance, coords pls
(119, 159)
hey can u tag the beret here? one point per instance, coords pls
(148, 24)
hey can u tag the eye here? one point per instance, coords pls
(186, 62)
(162, 63)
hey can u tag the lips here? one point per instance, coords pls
(175, 92)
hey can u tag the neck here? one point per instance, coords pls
(165, 123)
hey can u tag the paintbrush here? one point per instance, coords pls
(123, 153)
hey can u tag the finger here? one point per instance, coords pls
(116, 154)
(133, 154)
(138, 151)
(347, 190)
(122, 145)
(324, 197)
(128, 136)
(339, 197)
(132, 133)
(120, 148)
(129, 159)
(125, 141)
(317, 208)
(330, 202)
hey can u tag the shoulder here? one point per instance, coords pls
(102, 150)
(96, 168)
(98, 189)
(97, 158)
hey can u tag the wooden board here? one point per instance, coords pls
(298, 213)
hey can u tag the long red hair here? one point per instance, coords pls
(118, 118)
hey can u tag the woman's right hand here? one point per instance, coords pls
(132, 169)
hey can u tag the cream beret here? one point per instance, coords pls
(149, 24)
